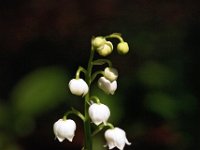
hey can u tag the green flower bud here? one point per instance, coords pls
(98, 41)
(105, 49)
(122, 48)
(111, 73)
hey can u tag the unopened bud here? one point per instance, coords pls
(122, 48)
(105, 49)
(98, 41)
(111, 73)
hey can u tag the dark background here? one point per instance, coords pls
(42, 42)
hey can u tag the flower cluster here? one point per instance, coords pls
(95, 111)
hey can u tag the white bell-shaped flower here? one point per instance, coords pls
(78, 87)
(111, 73)
(116, 137)
(64, 129)
(99, 113)
(107, 86)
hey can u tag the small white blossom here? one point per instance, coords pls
(64, 129)
(122, 48)
(111, 73)
(105, 49)
(99, 113)
(107, 86)
(116, 138)
(78, 87)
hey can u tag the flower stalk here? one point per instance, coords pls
(76, 112)
(94, 111)
(87, 127)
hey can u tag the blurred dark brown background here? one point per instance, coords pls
(42, 42)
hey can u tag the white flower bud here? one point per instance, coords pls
(64, 129)
(99, 113)
(116, 138)
(78, 87)
(105, 49)
(98, 41)
(110, 73)
(107, 86)
(122, 48)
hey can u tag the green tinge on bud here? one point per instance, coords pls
(111, 73)
(98, 41)
(122, 48)
(105, 49)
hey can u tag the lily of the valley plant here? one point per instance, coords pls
(95, 111)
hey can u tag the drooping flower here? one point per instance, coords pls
(111, 73)
(78, 87)
(99, 113)
(105, 49)
(107, 86)
(116, 137)
(64, 129)
(122, 48)
(98, 41)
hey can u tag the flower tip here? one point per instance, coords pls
(60, 139)
(70, 139)
(128, 143)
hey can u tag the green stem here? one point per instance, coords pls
(102, 61)
(80, 69)
(95, 75)
(101, 126)
(74, 111)
(115, 35)
(96, 99)
(87, 127)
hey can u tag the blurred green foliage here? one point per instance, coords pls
(153, 74)
(162, 104)
(40, 91)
